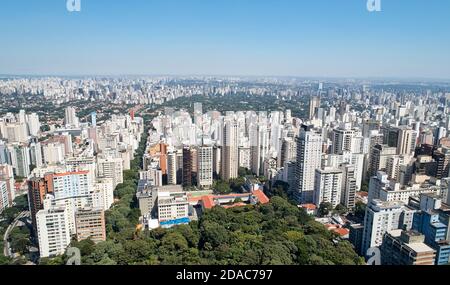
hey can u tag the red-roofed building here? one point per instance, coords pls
(228, 201)
(310, 209)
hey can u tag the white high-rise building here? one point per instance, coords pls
(382, 217)
(328, 185)
(342, 140)
(70, 118)
(110, 168)
(103, 195)
(71, 185)
(406, 141)
(244, 157)
(36, 154)
(7, 176)
(4, 200)
(33, 124)
(16, 132)
(309, 155)
(53, 153)
(53, 231)
(205, 166)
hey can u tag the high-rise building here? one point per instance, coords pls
(328, 184)
(314, 104)
(4, 157)
(433, 222)
(383, 217)
(406, 143)
(379, 157)
(348, 195)
(20, 158)
(53, 231)
(309, 155)
(288, 151)
(4, 202)
(8, 190)
(38, 188)
(90, 224)
(110, 168)
(406, 248)
(34, 126)
(244, 157)
(172, 168)
(187, 167)
(342, 140)
(198, 109)
(103, 195)
(94, 119)
(53, 153)
(205, 166)
(230, 155)
(36, 154)
(442, 158)
(70, 118)
(69, 185)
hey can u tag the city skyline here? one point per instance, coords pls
(324, 39)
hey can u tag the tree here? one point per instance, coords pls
(222, 187)
(279, 188)
(365, 187)
(21, 203)
(243, 172)
(360, 210)
(340, 210)
(325, 209)
(45, 128)
(237, 184)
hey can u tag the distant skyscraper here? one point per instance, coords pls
(70, 118)
(33, 124)
(314, 104)
(309, 155)
(94, 119)
(198, 109)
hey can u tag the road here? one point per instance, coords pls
(6, 249)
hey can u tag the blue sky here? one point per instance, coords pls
(327, 38)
